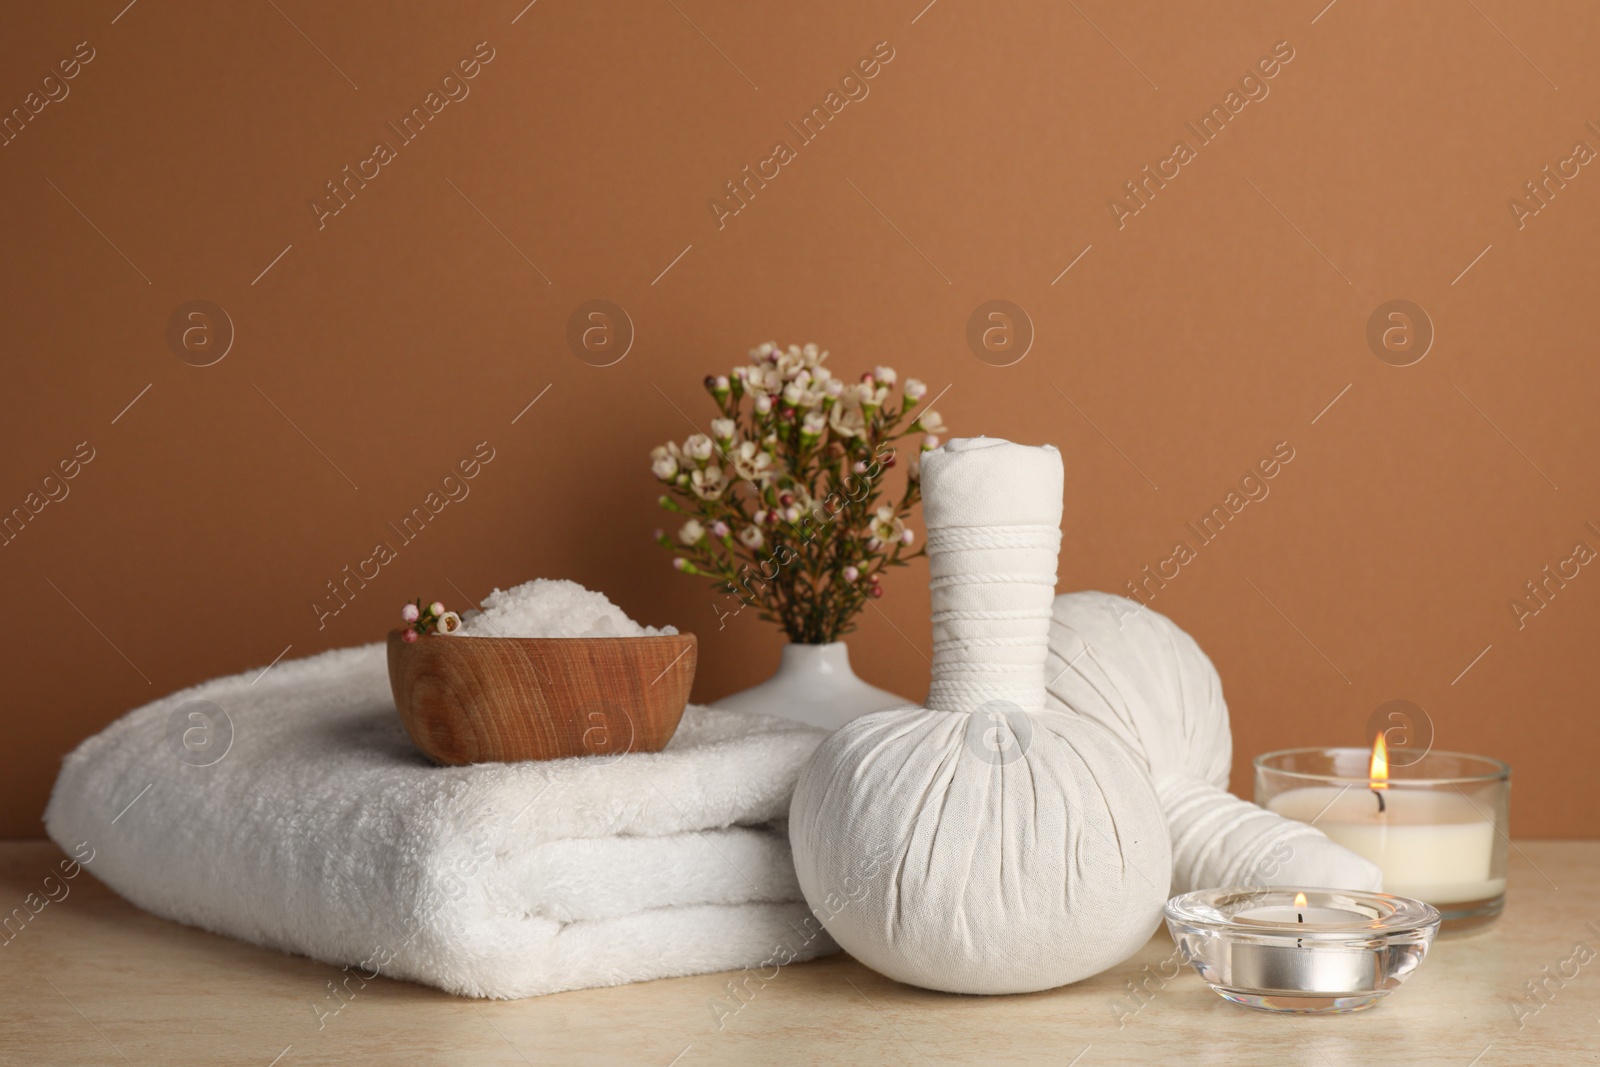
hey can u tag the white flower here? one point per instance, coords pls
(884, 375)
(930, 422)
(885, 528)
(709, 483)
(448, 623)
(915, 390)
(722, 429)
(834, 387)
(692, 532)
(763, 403)
(846, 420)
(751, 536)
(814, 424)
(698, 448)
(763, 378)
(869, 395)
(791, 362)
(751, 463)
(664, 467)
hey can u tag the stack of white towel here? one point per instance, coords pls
(321, 830)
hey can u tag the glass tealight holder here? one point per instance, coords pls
(1306, 951)
(1436, 825)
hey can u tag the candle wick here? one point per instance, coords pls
(1379, 794)
(1299, 918)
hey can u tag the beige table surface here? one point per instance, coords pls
(93, 980)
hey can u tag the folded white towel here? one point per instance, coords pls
(304, 820)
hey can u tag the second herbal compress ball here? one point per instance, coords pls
(985, 843)
(1142, 677)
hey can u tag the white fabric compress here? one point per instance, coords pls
(985, 843)
(1137, 673)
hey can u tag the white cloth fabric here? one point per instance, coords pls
(984, 844)
(1137, 673)
(322, 831)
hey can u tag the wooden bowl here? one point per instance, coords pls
(482, 699)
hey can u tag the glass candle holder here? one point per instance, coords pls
(1308, 951)
(1437, 826)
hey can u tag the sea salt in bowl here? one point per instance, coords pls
(547, 670)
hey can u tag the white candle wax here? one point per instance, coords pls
(1436, 847)
(1289, 915)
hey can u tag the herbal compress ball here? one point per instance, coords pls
(1136, 673)
(985, 843)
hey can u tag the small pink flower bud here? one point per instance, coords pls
(719, 528)
(408, 635)
(409, 613)
(851, 573)
(436, 607)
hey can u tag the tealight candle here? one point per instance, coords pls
(1437, 830)
(1301, 950)
(1298, 912)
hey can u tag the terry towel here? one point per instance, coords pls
(303, 819)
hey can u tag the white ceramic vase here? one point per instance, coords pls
(816, 686)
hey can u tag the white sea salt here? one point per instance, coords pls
(552, 607)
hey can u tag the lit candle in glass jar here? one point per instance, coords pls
(1436, 839)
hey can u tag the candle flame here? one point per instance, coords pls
(1299, 900)
(1380, 764)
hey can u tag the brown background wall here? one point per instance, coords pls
(1220, 320)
